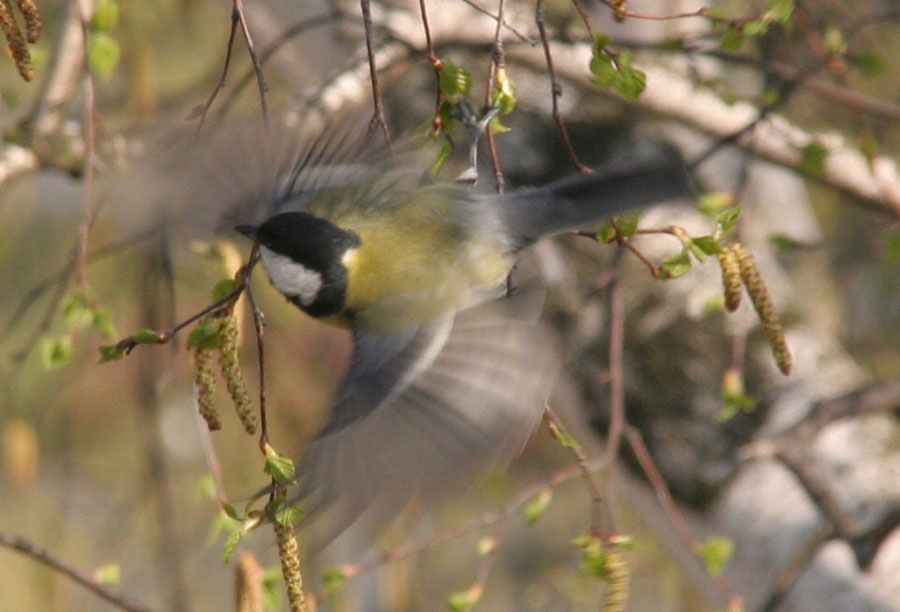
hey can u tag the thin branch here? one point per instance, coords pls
(437, 64)
(498, 61)
(378, 117)
(488, 519)
(556, 90)
(89, 153)
(522, 37)
(257, 67)
(237, 18)
(295, 30)
(556, 428)
(25, 547)
(616, 390)
(664, 496)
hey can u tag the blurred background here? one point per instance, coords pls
(787, 488)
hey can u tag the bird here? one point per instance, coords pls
(450, 371)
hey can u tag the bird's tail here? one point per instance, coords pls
(533, 213)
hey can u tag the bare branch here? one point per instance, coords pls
(25, 547)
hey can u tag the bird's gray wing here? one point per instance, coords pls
(472, 407)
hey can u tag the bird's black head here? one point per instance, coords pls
(305, 256)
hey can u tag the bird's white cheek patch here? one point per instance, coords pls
(291, 278)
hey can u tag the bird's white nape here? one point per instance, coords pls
(291, 278)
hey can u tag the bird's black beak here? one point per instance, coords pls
(247, 230)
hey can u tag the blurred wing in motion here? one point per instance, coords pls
(467, 396)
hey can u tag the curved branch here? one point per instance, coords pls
(774, 138)
(25, 547)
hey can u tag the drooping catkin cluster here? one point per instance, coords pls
(220, 333)
(288, 552)
(17, 47)
(618, 578)
(205, 384)
(731, 277)
(231, 372)
(736, 255)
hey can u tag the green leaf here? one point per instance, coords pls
(504, 94)
(538, 505)
(223, 288)
(593, 562)
(870, 63)
(108, 573)
(813, 156)
(606, 233)
(333, 580)
(732, 39)
(230, 512)
(632, 82)
(714, 202)
(677, 265)
(601, 41)
(604, 69)
(455, 81)
(461, 601)
(206, 335)
(628, 223)
(442, 157)
(230, 547)
(103, 322)
(56, 351)
(288, 515)
(103, 54)
(727, 219)
(106, 16)
(498, 126)
(77, 311)
(110, 352)
(146, 336)
(755, 28)
(708, 244)
(785, 243)
(715, 553)
(779, 11)
(564, 438)
(278, 466)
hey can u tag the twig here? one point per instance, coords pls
(128, 344)
(257, 67)
(25, 547)
(237, 17)
(89, 152)
(556, 90)
(664, 496)
(556, 428)
(437, 64)
(701, 12)
(488, 519)
(295, 30)
(522, 37)
(616, 391)
(378, 117)
(498, 59)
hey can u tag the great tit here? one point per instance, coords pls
(447, 376)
